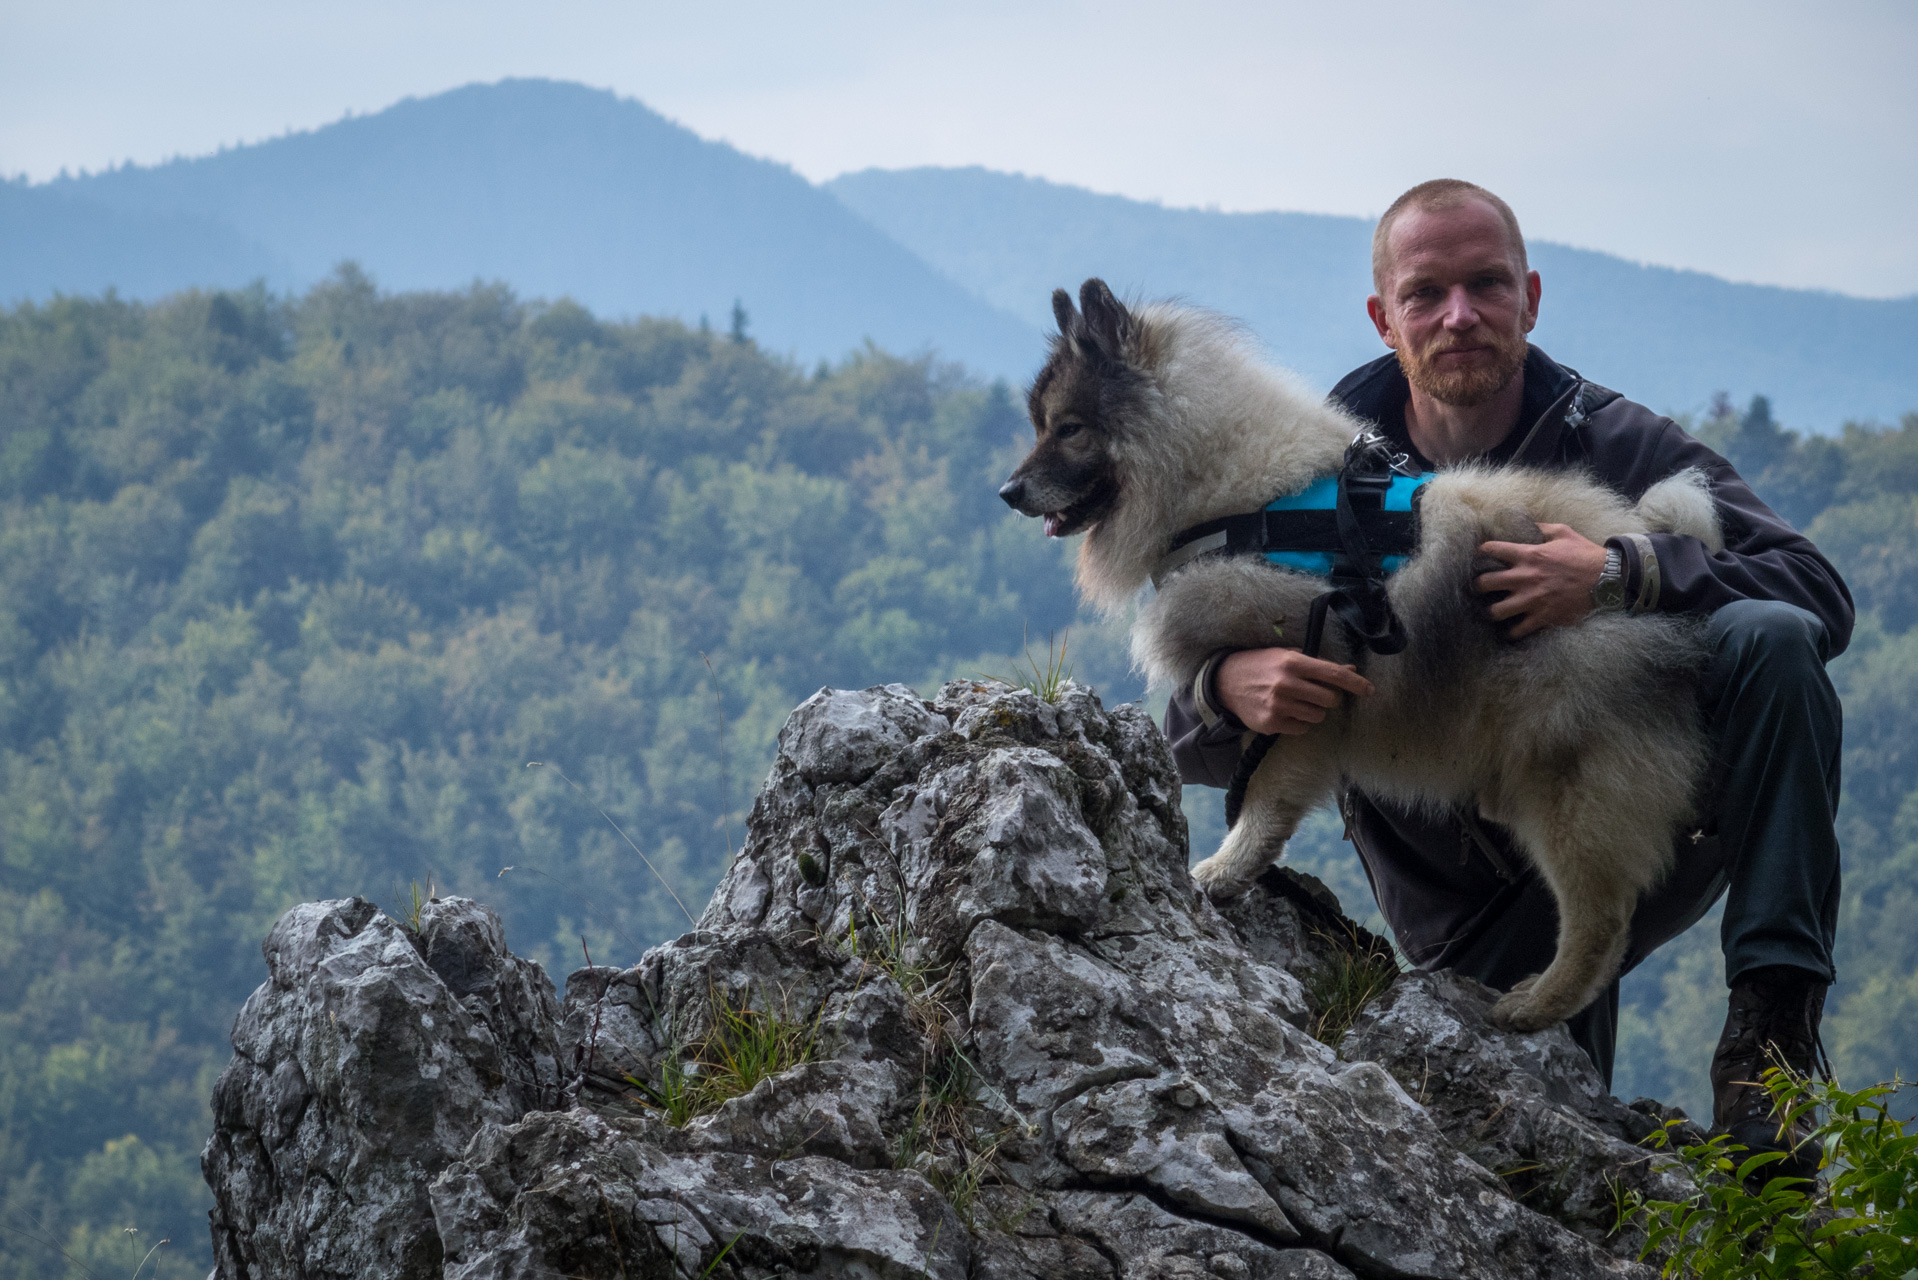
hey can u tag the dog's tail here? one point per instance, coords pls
(1683, 504)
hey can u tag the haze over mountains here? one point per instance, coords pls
(1666, 338)
(557, 189)
(553, 188)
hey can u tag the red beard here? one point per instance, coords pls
(1467, 383)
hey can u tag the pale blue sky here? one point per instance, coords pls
(1763, 141)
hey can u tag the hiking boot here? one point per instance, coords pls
(1772, 1022)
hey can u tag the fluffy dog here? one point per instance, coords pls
(1584, 742)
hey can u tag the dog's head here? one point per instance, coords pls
(1078, 408)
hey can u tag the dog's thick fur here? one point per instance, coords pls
(1584, 742)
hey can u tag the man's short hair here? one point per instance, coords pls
(1439, 193)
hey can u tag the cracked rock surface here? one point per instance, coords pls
(1031, 1049)
(364, 1065)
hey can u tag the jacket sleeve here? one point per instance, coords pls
(1207, 757)
(1764, 557)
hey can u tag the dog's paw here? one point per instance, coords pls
(1517, 1010)
(1513, 525)
(1219, 884)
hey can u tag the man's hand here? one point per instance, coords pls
(1549, 583)
(1282, 690)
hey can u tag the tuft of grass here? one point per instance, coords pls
(672, 1092)
(745, 1046)
(1350, 975)
(891, 949)
(944, 1142)
(1045, 682)
(1860, 1219)
(948, 1139)
(409, 913)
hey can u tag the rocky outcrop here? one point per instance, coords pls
(364, 1065)
(955, 1011)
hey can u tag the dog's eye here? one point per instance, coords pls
(1067, 430)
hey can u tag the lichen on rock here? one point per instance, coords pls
(1019, 1044)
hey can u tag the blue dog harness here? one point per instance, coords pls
(1323, 495)
(1372, 536)
(1352, 529)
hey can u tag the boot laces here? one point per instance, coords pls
(1783, 1032)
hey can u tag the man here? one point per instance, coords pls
(1455, 298)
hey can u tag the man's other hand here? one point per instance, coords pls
(1282, 690)
(1548, 584)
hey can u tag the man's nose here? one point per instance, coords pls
(1013, 491)
(1459, 311)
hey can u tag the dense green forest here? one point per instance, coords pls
(292, 591)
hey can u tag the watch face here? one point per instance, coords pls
(1609, 593)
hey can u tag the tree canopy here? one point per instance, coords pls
(294, 590)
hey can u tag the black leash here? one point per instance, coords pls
(1357, 594)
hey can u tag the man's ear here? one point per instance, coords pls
(1107, 319)
(1381, 320)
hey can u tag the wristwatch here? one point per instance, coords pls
(1608, 593)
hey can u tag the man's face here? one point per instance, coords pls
(1457, 304)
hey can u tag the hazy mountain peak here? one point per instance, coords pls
(556, 189)
(559, 189)
(1666, 337)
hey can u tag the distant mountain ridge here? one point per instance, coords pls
(555, 189)
(1665, 337)
(561, 190)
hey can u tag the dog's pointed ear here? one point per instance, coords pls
(1070, 325)
(1109, 323)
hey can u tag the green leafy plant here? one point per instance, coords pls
(1859, 1219)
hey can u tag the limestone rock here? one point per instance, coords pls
(1530, 1108)
(363, 1066)
(1028, 1048)
(575, 1194)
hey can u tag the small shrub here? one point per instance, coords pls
(1861, 1219)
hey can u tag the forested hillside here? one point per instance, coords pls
(576, 192)
(293, 591)
(291, 594)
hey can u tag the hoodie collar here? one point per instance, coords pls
(1378, 391)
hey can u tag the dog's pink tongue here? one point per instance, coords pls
(1052, 524)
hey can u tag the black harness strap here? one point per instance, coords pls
(1357, 591)
(1308, 530)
